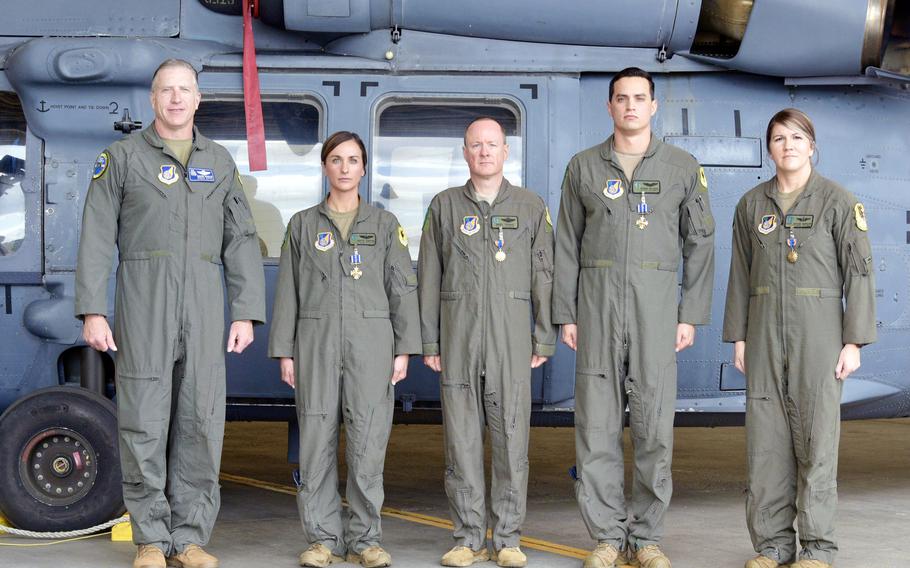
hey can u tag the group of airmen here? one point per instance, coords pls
(495, 283)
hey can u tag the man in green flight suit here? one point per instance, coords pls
(171, 200)
(631, 206)
(485, 269)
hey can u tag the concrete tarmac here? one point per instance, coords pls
(259, 526)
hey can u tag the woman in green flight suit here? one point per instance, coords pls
(344, 321)
(800, 304)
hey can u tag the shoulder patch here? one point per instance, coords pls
(702, 179)
(549, 220)
(402, 236)
(859, 213)
(287, 238)
(101, 164)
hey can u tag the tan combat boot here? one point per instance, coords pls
(807, 563)
(464, 556)
(510, 557)
(192, 557)
(318, 556)
(624, 560)
(604, 556)
(148, 556)
(371, 557)
(649, 557)
(762, 562)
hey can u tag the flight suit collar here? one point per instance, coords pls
(364, 211)
(152, 137)
(505, 191)
(811, 185)
(606, 148)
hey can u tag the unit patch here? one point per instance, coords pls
(793, 221)
(168, 175)
(324, 241)
(768, 224)
(470, 225)
(859, 212)
(549, 221)
(613, 188)
(201, 174)
(702, 179)
(504, 222)
(646, 186)
(402, 236)
(363, 239)
(101, 165)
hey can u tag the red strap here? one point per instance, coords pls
(252, 102)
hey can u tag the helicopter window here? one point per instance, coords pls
(12, 171)
(293, 180)
(417, 152)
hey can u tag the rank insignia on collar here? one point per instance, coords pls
(470, 225)
(768, 224)
(168, 175)
(859, 214)
(613, 188)
(324, 241)
(101, 165)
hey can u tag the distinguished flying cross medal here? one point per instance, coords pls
(500, 254)
(643, 211)
(356, 261)
(792, 256)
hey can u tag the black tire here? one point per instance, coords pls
(59, 462)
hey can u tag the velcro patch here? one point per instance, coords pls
(794, 221)
(646, 186)
(504, 221)
(363, 239)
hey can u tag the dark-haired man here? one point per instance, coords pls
(171, 200)
(631, 207)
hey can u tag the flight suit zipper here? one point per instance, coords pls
(486, 289)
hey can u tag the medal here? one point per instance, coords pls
(500, 254)
(792, 256)
(643, 210)
(356, 273)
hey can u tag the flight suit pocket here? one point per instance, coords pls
(700, 216)
(240, 216)
(860, 257)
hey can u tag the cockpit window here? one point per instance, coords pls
(417, 152)
(293, 180)
(12, 172)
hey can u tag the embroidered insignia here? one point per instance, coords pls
(201, 174)
(402, 236)
(614, 188)
(768, 224)
(168, 175)
(859, 212)
(324, 241)
(702, 179)
(470, 225)
(101, 165)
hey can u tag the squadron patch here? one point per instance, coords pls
(549, 221)
(613, 189)
(768, 224)
(402, 236)
(470, 224)
(859, 212)
(101, 165)
(324, 241)
(702, 179)
(168, 175)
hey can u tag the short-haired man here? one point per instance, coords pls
(485, 270)
(631, 206)
(171, 200)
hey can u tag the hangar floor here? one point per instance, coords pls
(705, 527)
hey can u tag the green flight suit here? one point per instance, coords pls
(794, 323)
(343, 333)
(476, 313)
(176, 228)
(619, 284)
